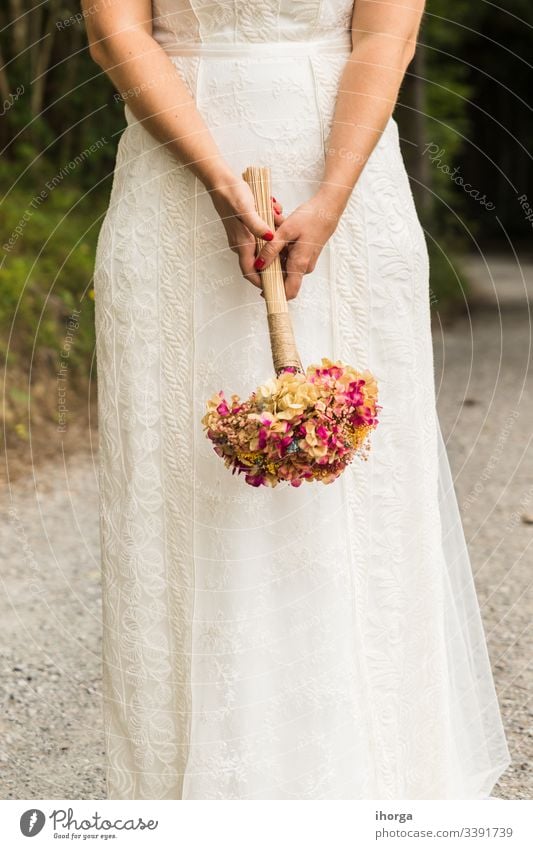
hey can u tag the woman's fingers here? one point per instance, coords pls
(293, 282)
(246, 253)
(297, 241)
(276, 205)
(282, 236)
(296, 265)
(277, 209)
(279, 218)
(256, 225)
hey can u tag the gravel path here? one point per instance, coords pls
(51, 725)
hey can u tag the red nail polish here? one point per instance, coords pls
(268, 236)
(259, 263)
(273, 199)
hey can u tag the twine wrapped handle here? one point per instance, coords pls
(282, 343)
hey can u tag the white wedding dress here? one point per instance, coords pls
(315, 643)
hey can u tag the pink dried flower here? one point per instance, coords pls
(296, 427)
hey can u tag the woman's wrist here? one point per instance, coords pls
(333, 197)
(329, 203)
(216, 175)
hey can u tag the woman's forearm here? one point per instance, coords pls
(367, 94)
(121, 42)
(158, 97)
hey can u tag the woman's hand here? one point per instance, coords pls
(235, 205)
(299, 240)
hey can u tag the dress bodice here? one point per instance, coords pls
(235, 21)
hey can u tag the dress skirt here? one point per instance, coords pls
(315, 643)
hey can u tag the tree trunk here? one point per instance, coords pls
(43, 31)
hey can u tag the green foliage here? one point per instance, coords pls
(46, 274)
(64, 102)
(449, 89)
(435, 116)
(449, 286)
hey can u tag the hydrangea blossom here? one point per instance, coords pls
(296, 427)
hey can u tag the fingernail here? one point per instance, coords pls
(259, 263)
(268, 236)
(273, 199)
(277, 208)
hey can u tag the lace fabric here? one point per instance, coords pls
(319, 643)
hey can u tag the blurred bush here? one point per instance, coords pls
(46, 275)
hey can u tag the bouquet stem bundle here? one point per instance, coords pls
(298, 426)
(282, 342)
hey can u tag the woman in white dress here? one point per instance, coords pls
(315, 643)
